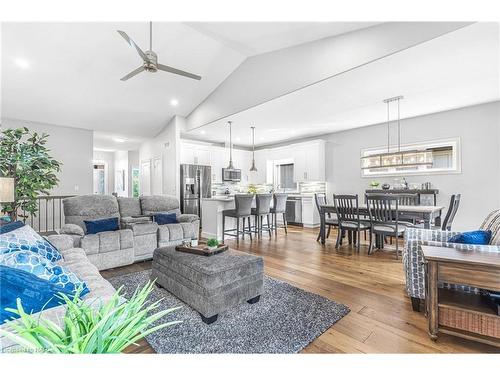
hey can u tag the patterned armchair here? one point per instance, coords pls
(413, 260)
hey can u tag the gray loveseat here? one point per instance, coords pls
(138, 235)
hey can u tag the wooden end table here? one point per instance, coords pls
(457, 313)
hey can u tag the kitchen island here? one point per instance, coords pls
(211, 216)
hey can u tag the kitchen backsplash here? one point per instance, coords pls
(221, 188)
(312, 187)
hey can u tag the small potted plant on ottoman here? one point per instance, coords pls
(212, 244)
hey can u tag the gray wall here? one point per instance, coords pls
(71, 146)
(479, 183)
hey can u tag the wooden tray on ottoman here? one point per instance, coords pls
(202, 249)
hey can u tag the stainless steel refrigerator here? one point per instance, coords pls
(196, 183)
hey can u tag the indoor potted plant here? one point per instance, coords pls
(212, 244)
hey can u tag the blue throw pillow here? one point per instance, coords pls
(25, 238)
(101, 225)
(477, 237)
(44, 269)
(35, 293)
(162, 219)
(11, 226)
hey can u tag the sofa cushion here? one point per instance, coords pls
(159, 203)
(89, 207)
(170, 232)
(129, 206)
(44, 269)
(140, 229)
(25, 238)
(101, 225)
(492, 222)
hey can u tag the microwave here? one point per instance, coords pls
(231, 174)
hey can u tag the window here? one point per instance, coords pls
(285, 176)
(444, 155)
(100, 178)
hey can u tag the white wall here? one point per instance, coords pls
(121, 164)
(71, 146)
(133, 163)
(107, 157)
(479, 183)
(267, 76)
(166, 145)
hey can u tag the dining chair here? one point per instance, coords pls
(452, 211)
(262, 210)
(279, 207)
(347, 209)
(320, 200)
(384, 218)
(242, 210)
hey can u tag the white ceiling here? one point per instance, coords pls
(74, 70)
(254, 38)
(454, 70)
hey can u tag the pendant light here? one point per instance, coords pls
(230, 166)
(253, 168)
(398, 158)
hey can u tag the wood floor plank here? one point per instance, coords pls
(372, 286)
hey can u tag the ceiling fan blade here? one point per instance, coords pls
(132, 73)
(132, 44)
(169, 69)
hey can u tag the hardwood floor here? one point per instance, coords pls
(381, 318)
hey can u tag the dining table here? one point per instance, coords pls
(429, 215)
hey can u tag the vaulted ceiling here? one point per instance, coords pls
(69, 73)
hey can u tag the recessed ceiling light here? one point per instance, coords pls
(22, 63)
(120, 140)
(203, 132)
(174, 102)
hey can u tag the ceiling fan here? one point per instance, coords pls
(150, 59)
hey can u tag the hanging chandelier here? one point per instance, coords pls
(397, 158)
(230, 166)
(253, 168)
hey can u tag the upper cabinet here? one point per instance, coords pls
(192, 153)
(309, 161)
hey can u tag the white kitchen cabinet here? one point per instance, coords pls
(310, 214)
(195, 154)
(309, 161)
(259, 177)
(219, 157)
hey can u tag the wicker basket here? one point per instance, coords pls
(467, 320)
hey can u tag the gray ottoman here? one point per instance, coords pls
(210, 285)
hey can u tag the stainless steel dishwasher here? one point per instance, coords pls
(294, 210)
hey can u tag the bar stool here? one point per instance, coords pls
(242, 210)
(262, 209)
(279, 207)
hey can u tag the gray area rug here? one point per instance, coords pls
(285, 320)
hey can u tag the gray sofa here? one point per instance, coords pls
(76, 261)
(138, 235)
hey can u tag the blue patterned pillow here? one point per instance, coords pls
(35, 293)
(44, 269)
(477, 237)
(25, 238)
